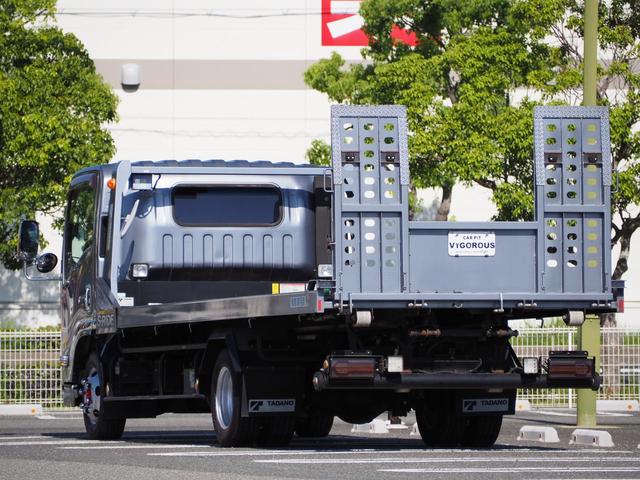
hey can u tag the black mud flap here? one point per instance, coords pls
(481, 402)
(272, 391)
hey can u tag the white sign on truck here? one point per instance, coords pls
(472, 244)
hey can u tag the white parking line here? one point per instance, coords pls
(53, 441)
(203, 435)
(261, 453)
(280, 453)
(508, 470)
(9, 437)
(601, 451)
(132, 447)
(553, 414)
(60, 415)
(329, 461)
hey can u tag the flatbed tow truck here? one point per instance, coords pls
(277, 296)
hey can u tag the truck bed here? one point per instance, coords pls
(380, 260)
(558, 262)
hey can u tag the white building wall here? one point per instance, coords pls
(262, 46)
(220, 79)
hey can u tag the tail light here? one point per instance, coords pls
(568, 365)
(352, 367)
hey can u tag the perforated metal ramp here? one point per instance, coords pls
(573, 188)
(370, 179)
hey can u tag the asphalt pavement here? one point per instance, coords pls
(53, 446)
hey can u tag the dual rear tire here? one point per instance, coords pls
(234, 430)
(441, 426)
(316, 425)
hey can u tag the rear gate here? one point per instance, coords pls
(371, 179)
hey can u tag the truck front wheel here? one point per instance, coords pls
(94, 388)
(232, 430)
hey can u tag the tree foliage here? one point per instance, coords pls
(472, 80)
(319, 153)
(53, 109)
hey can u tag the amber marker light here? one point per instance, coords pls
(111, 183)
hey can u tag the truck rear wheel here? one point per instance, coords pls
(316, 425)
(232, 430)
(276, 431)
(97, 426)
(441, 426)
(482, 432)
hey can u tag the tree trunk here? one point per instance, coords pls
(608, 320)
(414, 202)
(445, 203)
(622, 264)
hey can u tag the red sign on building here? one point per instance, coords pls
(342, 25)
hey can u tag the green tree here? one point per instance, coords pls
(53, 109)
(319, 153)
(472, 80)
(456, 84)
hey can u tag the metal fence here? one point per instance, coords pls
(30, 373)
(30, 367)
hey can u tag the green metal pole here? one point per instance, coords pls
(590, 52)
(590, 330)
(589, 340)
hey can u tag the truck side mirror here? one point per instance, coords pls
(46, 262)
(29, 234)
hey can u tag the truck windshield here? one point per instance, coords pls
(227, 206)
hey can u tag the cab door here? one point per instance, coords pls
(79, 258)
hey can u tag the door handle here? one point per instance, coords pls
(87, 298)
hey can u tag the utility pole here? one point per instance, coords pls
(590, 52)
(590, 330)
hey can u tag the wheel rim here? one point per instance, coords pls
(224, 398)
(92, 396)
